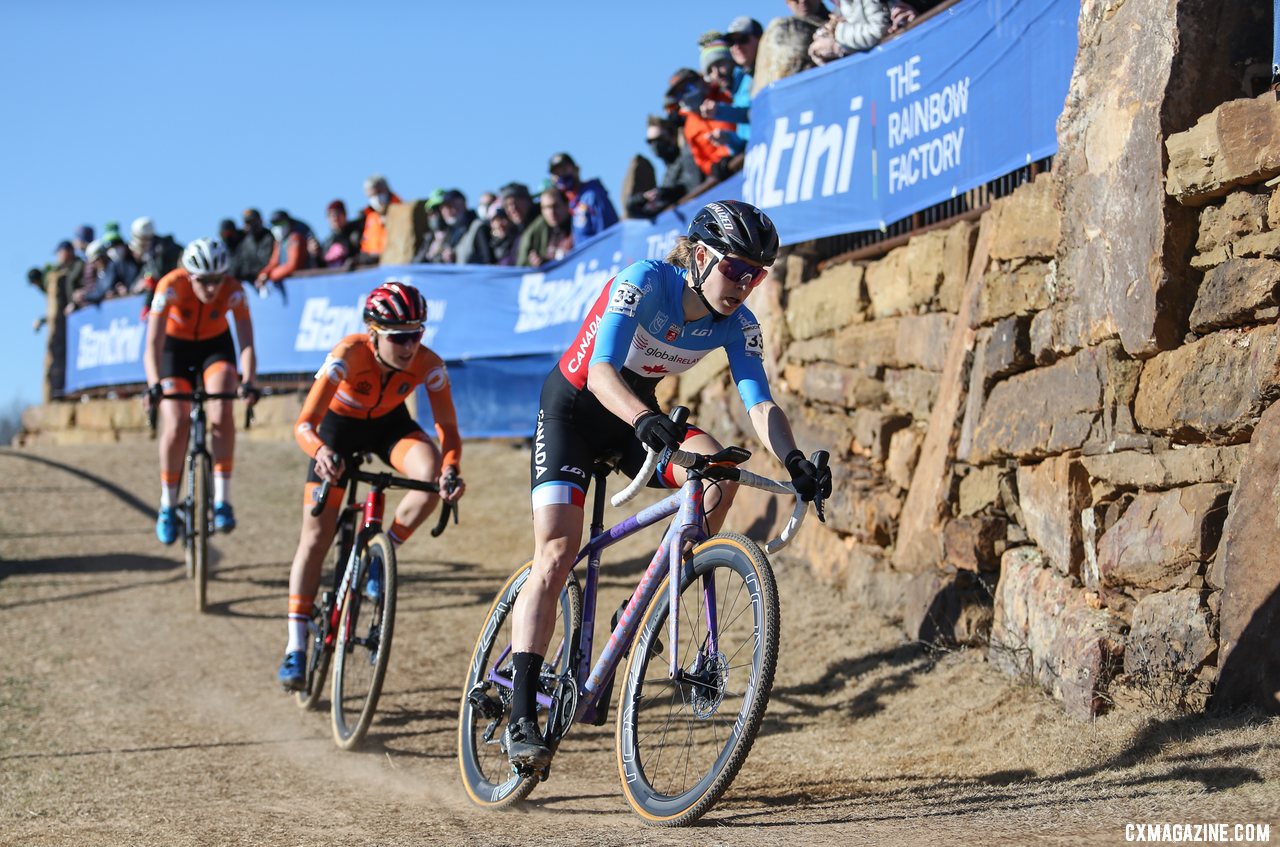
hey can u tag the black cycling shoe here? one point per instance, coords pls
(525, 747)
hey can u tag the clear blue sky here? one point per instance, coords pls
(189, 112)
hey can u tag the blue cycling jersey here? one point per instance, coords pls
(637, 325)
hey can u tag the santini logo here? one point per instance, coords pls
(546, 302)
(118, 344)
(323, 325)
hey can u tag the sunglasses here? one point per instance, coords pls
(403, 337)
(738, 38)
(207, 279)
(739, 271)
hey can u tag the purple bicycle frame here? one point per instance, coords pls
(667, 559)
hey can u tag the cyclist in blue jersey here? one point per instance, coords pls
(653, 319)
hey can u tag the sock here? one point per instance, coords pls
(399, 534)
(221, 487)
(299, 614)
(524, 682)
(168, 490)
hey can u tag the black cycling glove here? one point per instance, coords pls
(658, 432)
(810, 481)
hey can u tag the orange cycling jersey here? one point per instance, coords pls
(190, 319)
(350, 383)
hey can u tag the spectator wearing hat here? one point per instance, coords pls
(433, 242)
(121, 270)
(156, 255)
(373, 239)
(230, 234)
(466, 240)
(550, 237)
(680, 178)
(80, 240)
(60, 281)
(743, 38)
(855, 26)
(504, 238)
(717, 71)
(289, 253)
(517, 202)
(343, 244)
(705, 137)
(592, 210)
(254, 250)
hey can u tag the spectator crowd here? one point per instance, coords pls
(699, 137)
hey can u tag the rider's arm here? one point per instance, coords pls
(155, 343)
(614, 394)
(248, 357)
(157, 318)
(440, 393)
(773, 428)
(622, 316)
(328, 378)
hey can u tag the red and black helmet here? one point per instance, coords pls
(395, 305)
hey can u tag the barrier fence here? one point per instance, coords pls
(922, 126)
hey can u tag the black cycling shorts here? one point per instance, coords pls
(574, 431)
(349, 436)
(188, 359)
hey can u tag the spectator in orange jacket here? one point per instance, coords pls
(707, 137)
(290, 252)
(374, 240)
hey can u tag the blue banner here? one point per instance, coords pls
(970, 95)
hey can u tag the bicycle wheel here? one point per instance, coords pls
(363, 646)
(319, 646)
(681, 742)
(318, 657)
(200, 522)
(486, 773)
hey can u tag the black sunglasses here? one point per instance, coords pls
(410, 336)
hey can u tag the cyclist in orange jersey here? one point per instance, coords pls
(357, 405)
(188, 335)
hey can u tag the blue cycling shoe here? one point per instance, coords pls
(224, 517)
(373, 586)
(168, 527)
(293, 671)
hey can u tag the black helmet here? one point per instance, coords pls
(732, 226)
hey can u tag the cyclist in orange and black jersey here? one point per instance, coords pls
(188, 335)
(357, 405)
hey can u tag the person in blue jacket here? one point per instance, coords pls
(589, 203)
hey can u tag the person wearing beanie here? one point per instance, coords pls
(717, 71)
(743, 36)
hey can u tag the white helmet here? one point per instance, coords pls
(205, 256)
(94, 250)
(142, 228)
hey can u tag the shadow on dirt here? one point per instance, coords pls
(125, 497)
(163, 748)
(105, 563)
(840, 680)
(1137, 772)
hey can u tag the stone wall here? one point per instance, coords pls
(1048, 427)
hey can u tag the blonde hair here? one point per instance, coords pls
(682, 254)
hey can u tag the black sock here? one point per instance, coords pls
(524, 684)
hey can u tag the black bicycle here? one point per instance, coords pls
(196, 507)
(351, 624)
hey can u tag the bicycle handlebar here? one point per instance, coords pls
(198, 397)
(686, 459)
(383, 480)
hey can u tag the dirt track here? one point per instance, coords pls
(127, 718)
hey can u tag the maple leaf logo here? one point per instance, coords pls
(656, 369)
